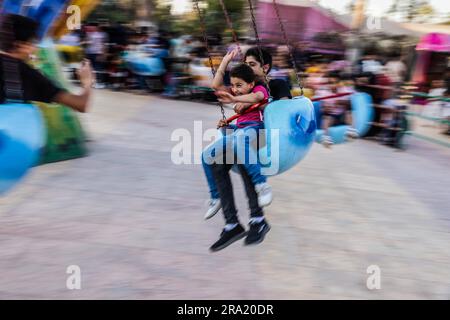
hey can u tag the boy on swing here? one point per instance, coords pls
(260, 61)
(244, 92)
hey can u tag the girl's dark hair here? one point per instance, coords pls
(17, 28)
(244, 72)
(257, 54)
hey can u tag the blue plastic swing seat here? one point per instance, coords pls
(290, 130)
(362, 114)
(45, 11)
(145, 66)
(22, 137)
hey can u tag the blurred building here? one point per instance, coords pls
(303, 20)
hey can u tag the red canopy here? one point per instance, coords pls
(302, 20)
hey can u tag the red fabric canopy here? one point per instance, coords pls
(301, 22)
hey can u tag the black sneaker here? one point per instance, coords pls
(257, 232)
(228, 237)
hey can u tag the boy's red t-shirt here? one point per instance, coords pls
(253, 116)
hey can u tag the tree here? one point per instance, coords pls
(159, 12)
(215, 18)
(412, 10)
(394, 9)
(349, 7)
(425, 12)
(113, 10)
(162, 16)
(124, 10)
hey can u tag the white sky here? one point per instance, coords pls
(374, 7)
(181, 6)
(379, 7)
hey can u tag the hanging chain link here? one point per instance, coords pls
(230, 26)
(300, 84)
(208, 50)
(258, 42)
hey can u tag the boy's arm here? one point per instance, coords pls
(78, 102)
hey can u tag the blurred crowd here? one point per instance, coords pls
(144, 59)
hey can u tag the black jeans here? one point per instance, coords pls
(221, 173)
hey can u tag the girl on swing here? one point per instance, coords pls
(243, 92)
(246, 90)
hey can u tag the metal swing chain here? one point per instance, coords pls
(258, 42)
(288, 45)
(230, 26)
(205, 37)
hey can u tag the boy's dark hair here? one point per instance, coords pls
(17, 28)
(244, 72)
(256, 53)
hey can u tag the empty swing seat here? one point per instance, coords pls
(22, 137)
(362, 114)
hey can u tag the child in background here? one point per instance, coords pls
(336, 111)
(435, 109)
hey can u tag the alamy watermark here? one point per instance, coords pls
(374, 280)
(73, 282)
(373, 23)
(73, 22)
(227, 146)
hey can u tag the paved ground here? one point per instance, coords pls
(426, 128)
(132, 220)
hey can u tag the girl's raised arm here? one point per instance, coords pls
(217, 83)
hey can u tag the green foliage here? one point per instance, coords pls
(113, 11)
(412, 10)
(162, 17)
(214, 17)
(125, 10)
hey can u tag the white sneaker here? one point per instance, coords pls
(326, 141)
(214, 206)
(264, 191)
(352, 133)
